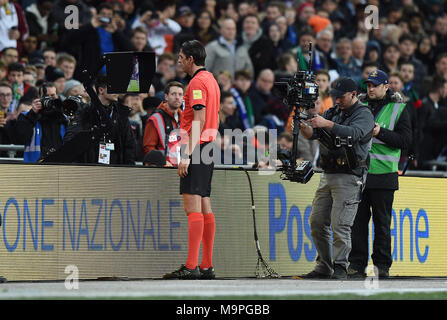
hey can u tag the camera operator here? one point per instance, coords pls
(107, 119)
(344, 165)
(42, 128)
(392, 133)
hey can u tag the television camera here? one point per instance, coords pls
(300, 93)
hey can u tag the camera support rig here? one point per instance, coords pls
(299, 93)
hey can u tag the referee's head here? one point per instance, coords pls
(196, 50)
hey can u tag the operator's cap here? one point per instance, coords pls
(377, 77)
(343, 85)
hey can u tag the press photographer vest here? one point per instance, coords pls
(164, 127)
(385, 159)
(341, 159)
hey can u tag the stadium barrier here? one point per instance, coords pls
(129, 222)
(11, 152)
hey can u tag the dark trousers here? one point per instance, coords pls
(379, 203)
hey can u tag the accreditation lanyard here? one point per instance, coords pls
(105, 147)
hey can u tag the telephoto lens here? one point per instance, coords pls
(71, 105)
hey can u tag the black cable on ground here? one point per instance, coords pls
(263, 270)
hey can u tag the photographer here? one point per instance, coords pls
(392, 133)
(42, 128)
(344, 132)
(107, 119)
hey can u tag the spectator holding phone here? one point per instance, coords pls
(99, 36)
(158, 23)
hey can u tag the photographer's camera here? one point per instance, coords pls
(51, 104)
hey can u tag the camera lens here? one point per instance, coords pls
(71, 105)
(50, 104)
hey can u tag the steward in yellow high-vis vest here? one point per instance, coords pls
(385, 158)
(392, 133)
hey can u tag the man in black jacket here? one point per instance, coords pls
(94, 39)
(408, 45)
(39, 22)
(432, 120)
(64, 19)
(392, 133)
(42, 128)
(108, 121)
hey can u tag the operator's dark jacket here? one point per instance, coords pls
(120, 133)
(400, 137)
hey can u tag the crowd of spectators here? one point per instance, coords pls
(250, 44)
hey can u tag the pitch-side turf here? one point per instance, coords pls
(233, 289)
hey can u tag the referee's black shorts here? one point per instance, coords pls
(198, 179)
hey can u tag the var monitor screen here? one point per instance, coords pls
(129, 72)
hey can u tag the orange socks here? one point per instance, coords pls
(195, 221)
(201, 229)
(209, 227)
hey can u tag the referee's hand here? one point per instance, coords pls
(183, 167)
